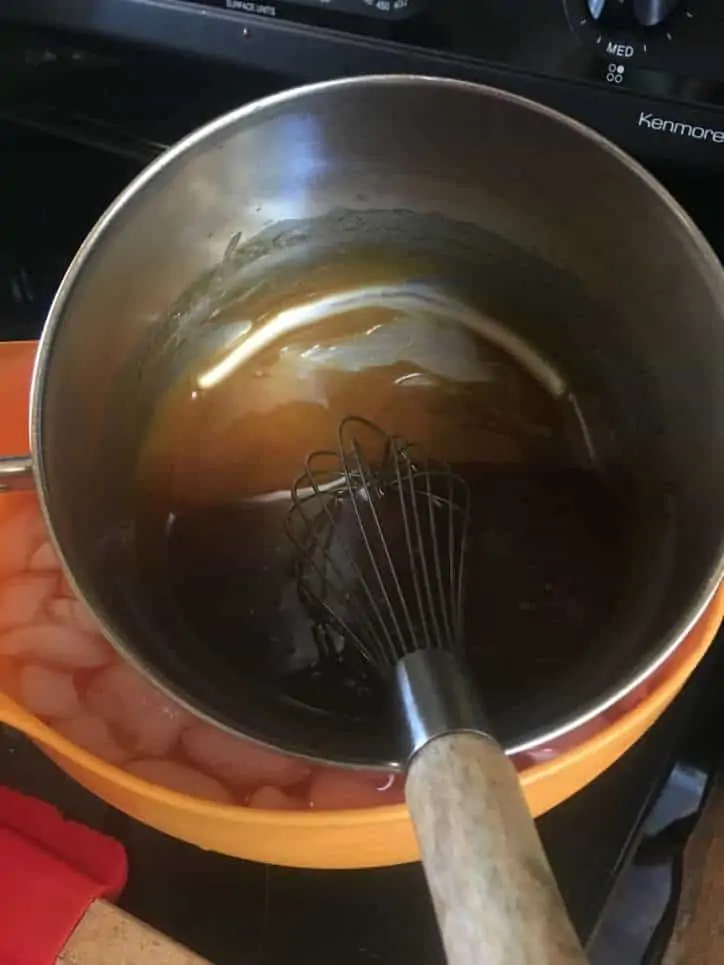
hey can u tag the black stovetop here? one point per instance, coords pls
(75, 126)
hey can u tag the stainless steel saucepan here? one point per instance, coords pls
(567, 241)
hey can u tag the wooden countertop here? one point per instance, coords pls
(108, 936)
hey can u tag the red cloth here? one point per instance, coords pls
(51, 871)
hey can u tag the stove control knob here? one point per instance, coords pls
(630, 14)
(650, 13)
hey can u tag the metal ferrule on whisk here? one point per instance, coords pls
(435, 697)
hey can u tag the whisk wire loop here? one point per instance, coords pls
(322, 544)
(372, 489)
(381, 532)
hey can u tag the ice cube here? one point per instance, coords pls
(238, 762)
(333, 790)
(272, 799)
(73, 613)
(22, 598)
(21, 533)
(47, 692)
(180, 777)
(93, 734)
(65, 590)
(149, 721)
(44, 559)
(56, 645)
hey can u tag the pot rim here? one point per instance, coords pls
(708, 259)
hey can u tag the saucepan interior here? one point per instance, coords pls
(508, 210)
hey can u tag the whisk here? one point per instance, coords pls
(381, 533)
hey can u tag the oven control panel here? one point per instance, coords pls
(647, 73)
(685, 36)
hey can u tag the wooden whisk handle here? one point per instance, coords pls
(495, 896)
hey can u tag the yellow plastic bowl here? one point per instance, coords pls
(331, 839)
